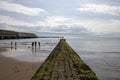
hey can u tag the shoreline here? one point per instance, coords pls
(11, 69)
(2, 49)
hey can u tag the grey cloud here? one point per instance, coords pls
(18, 8)
(71, 29)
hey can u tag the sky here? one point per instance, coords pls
(61, 16)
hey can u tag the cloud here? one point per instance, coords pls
(71, 29)
(64, 25)
(4, 5)
(11, 21)
(55, 21)
(52, 23)
(47, 25)
(100, 26)
(100, 8)
(49, 21)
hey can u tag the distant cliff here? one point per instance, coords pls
(7, 34)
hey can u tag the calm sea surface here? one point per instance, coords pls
(102, 55)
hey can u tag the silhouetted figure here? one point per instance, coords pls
(32, 44)
(11, 45)
(39, 44)
(35, 44)
(15, 45)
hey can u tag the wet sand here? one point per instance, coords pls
(11, 69)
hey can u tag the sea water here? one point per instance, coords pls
(102, 55)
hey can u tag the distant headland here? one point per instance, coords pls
(8, 34)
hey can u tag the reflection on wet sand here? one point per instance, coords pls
(12, 46)
(35, 47)
(29, 51)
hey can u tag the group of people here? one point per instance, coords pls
(15, 45)
(34, 44)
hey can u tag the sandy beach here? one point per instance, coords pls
(11, 69)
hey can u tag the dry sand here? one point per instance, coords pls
(11, 69)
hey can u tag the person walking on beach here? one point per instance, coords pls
(15, 45)
(32, 44)
(39, 44)
(35, 44)
(11, 44)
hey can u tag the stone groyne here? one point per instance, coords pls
(63, 63)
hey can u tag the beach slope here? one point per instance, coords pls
(11, 69)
